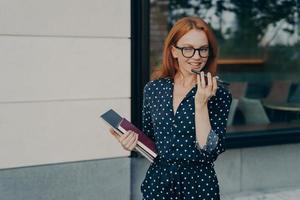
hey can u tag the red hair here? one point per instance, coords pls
(169, 65)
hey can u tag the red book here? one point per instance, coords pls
(121, 125)
(143, 141)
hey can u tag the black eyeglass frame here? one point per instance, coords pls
(199, 49)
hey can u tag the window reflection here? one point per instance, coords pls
(259, 55)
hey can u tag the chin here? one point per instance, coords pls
(189, 67)
(198, 68)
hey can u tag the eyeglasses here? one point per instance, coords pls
(189, 52)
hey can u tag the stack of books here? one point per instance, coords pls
(121, 125)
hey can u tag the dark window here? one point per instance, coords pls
(259, 45)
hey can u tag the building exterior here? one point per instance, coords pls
(63, 63)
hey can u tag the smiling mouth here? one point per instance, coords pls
(195, 64)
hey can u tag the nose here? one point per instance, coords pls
(196, 54)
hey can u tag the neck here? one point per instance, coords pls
(185, 80)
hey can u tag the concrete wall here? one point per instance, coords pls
(262, 167)
(63, 63)
(103, 179)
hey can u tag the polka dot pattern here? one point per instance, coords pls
(182, 170)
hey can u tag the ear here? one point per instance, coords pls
(174, 52)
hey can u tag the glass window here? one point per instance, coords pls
(259, 45)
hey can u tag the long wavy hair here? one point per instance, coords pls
(169, 66)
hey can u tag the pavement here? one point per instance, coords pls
(275, 194)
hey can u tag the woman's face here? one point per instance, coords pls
(184, 49)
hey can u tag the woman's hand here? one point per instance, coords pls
(205, 90)
(127, 140)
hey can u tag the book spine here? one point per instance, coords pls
(144, 153)
(147, 149)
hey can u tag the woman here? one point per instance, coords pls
(185, 114)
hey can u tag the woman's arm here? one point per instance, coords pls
(202, 124)
(204, 92)
(211, 126)
(218, 116)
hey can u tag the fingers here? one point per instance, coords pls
(209, 84)
(202, 80)
(198, 80)
(124, 136)
(209, 81)
(214, 86)
(132, 146)
(129, 140)
(114, 133)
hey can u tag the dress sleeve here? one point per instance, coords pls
(146, 114)
(218, 118)
(211, 143)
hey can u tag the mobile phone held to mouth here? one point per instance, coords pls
(221, 82)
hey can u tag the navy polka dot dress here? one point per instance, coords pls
(182, 169)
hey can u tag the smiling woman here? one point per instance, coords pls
(190, 34)
(186, 115)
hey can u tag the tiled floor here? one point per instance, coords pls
(279, 194)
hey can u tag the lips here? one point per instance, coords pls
(195, 64)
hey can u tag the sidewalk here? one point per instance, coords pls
(279, 194)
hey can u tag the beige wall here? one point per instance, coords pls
(63, 63)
